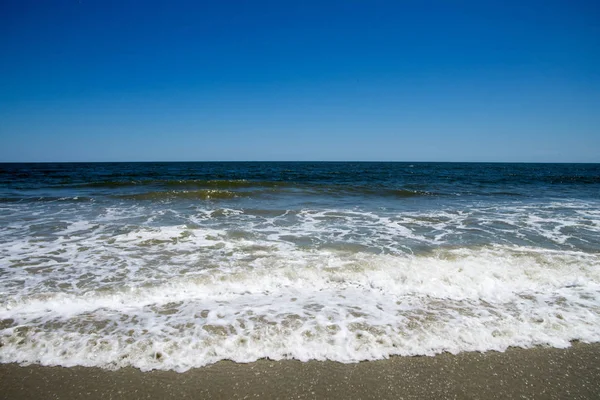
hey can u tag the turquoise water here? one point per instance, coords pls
(178, 265)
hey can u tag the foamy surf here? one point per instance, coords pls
(320, 305)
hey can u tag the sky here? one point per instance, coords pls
(103, 80)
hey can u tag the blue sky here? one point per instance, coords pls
(106, 80)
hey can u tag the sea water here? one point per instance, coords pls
(179, 265)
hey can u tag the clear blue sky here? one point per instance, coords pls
(103, 80)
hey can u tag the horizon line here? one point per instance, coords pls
(298, 161)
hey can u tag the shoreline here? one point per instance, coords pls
(536, 373)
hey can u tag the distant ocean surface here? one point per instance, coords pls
(179, 265)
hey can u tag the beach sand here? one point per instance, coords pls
(539, 373)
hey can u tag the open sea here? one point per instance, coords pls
(179, 265)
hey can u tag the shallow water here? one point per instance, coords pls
(178, 265)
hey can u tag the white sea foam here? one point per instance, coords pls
(169, 289)
(316, 305)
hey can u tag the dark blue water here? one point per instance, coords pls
(441, 179)
(110, 264)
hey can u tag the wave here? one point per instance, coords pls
(242, 188)
(34, 199)
(354, 190)
(321, 305)
(208, 194)
(218, 184)
(243, 184)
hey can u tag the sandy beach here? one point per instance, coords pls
(539, 373)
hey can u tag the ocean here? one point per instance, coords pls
(179, 265)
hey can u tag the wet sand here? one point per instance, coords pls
(540, 373)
